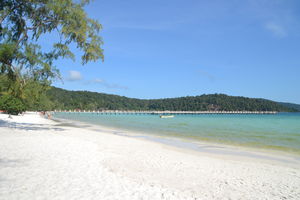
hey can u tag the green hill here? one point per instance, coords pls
(85, 100)
(290, 105)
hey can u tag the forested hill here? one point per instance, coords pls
(69, 100)
(291, 105)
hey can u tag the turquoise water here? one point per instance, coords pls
(280, 131)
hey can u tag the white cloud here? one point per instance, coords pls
(276, 29)
(74, 76)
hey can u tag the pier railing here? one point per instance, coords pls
(165, 112)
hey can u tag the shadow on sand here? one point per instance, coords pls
(29, 126)
(10, 163)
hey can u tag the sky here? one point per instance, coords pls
(173, 48)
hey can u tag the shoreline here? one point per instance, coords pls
(44, 159)
(206, 147)
(245, 139)
(167, 112)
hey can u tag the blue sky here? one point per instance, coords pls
(171, 48)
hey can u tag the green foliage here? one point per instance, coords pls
(24, 22)
(26, 69)
(35, 96)
(11, 105)
(84, 100)
(28, 91)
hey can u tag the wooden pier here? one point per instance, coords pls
(165, 112)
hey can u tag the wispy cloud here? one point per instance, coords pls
(276, 29)
(140, 27)
(97, 80)
(107, 84)
(74, 76)
(206, 75)
(161, 26)
(279, 17)
(132, 23)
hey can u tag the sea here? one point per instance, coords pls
(279, 131)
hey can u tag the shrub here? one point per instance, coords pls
(11, 105)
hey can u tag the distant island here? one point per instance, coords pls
(61, 99)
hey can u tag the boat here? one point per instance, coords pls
(166, 116)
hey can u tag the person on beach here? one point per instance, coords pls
(48, 115)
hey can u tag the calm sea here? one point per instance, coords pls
(279, 131)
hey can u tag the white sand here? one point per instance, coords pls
(40, 160)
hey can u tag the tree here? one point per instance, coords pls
(11, 104)
(32, 94)
(22, 25)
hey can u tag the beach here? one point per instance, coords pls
(45, 159)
